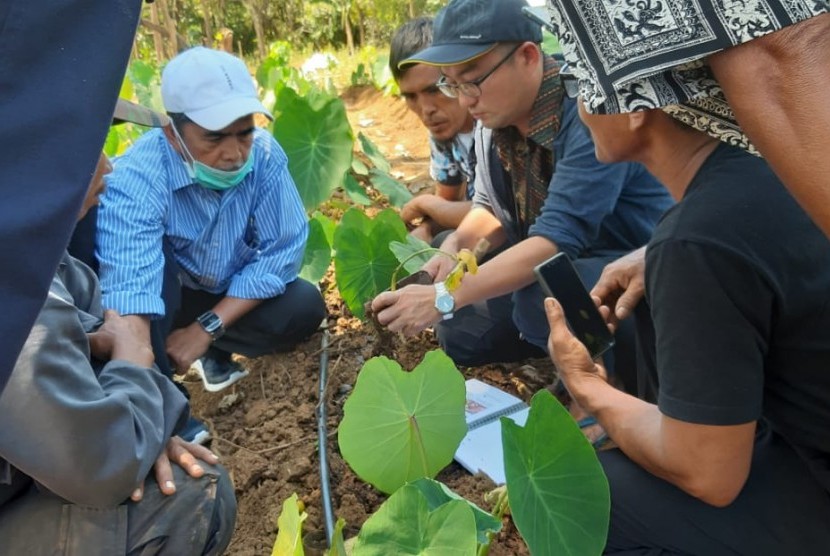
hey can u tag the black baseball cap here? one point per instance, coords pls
(466, 29)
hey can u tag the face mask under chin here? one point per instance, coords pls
(220, 180)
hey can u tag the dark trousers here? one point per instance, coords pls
(276, 324)
(198, 519)
(483, 332)
(781, 511)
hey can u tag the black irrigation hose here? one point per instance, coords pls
(322, 436)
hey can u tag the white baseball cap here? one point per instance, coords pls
(211, 87)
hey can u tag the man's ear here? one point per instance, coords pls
(530, 53)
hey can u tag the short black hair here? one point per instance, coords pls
(179, 119)
(411, 37)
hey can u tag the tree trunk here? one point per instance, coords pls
(169, 24)
(361, 27)
(347, 28)
(158, 42)
(164, 32)
(259, 28)
(208, 23)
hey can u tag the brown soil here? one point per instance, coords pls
(265, 428)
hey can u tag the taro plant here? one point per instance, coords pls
(289, 541)
(317, 138)
(400, 426)
(557, 492)
(379, 176)
(363, 262)
(425, 517)
(317, 255)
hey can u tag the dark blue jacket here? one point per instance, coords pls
(592, 209)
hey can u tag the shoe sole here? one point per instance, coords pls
(236, 376)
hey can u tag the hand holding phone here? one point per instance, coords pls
(559, 279)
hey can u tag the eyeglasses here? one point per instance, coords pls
(470, 88)
(569, 81)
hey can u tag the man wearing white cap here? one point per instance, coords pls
(201, 232)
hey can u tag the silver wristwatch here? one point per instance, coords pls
(444, 300)
(212, 324)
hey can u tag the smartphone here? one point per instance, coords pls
(559, 279)
(539, 15)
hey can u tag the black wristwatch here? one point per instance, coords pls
(212, 324)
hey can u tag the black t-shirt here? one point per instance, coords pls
(738, 281)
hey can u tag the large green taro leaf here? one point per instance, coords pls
(405, 525)
(315, 134)
(363, 263)
(558, 492)
(317, 255)
(437, 494)
(400, 426)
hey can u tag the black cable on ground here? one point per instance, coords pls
(322, 436)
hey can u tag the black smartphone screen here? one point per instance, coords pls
(559, 279)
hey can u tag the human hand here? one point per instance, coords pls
(186, 345)
(569, 355)
(185, 455)
(408, 310)
(119, 338)
(439, 267)
(413, 209)
(621, 285)
(423, 231)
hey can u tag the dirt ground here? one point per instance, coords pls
(265, 428)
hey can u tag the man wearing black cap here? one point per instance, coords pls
(539, 188)
(87, 417)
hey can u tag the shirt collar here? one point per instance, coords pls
(548, 103)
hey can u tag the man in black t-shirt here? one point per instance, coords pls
(734, 457)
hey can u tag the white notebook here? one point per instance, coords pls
(481, 448)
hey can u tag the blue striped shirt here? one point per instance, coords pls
(247, 241)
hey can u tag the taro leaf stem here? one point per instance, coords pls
(412, 256)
